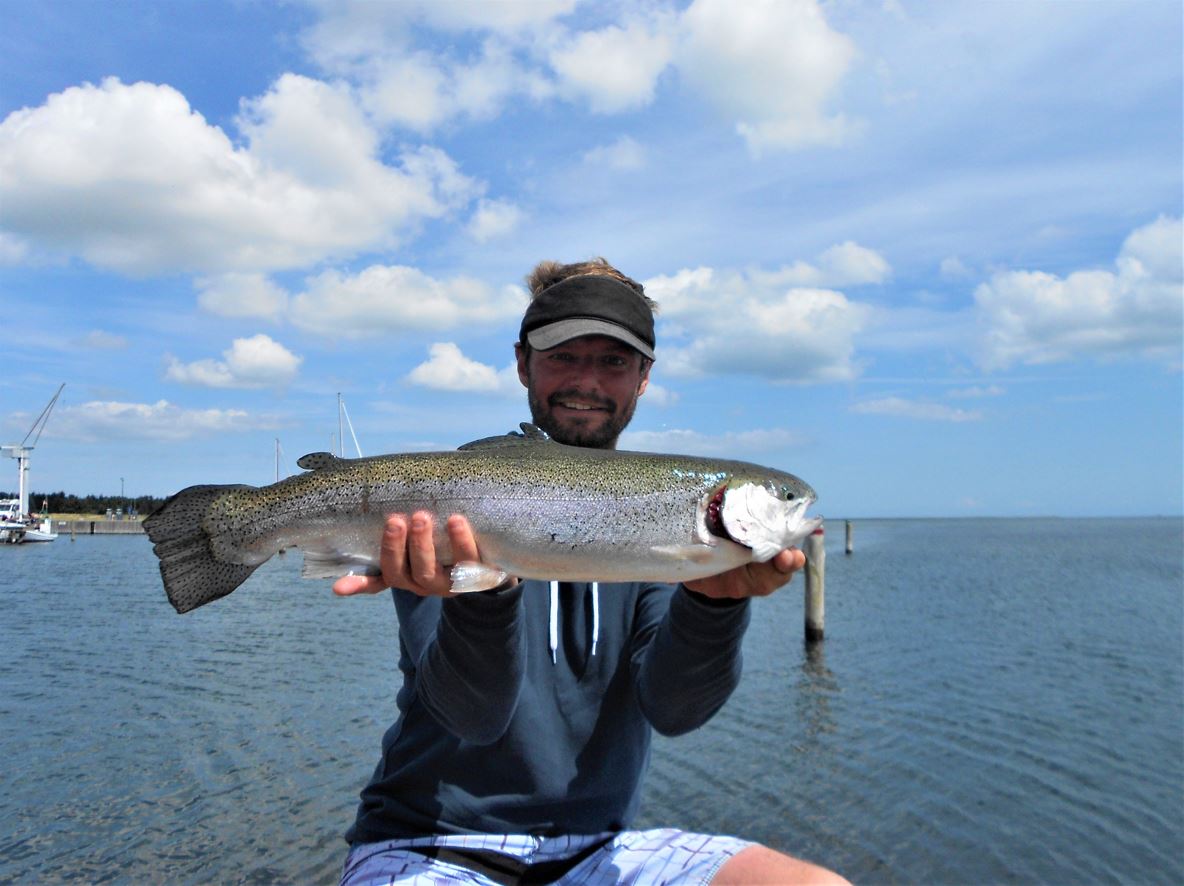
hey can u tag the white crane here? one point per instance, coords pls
(20, 451)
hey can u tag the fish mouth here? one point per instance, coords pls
(714, 515)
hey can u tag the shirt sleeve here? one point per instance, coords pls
(688, 663)
(469, 658)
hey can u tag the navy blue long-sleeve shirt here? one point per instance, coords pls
(493, 736)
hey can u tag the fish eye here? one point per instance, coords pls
(787, 492)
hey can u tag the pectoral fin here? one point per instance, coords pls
(334, 564)
(693, 553)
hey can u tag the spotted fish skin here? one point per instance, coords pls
(538, 509)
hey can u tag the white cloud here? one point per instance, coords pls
(849, 264)
(408, 91)
(500, 17)
(1036, 317)
(844, 264)
(395, 299)
(730, 444)
(242, 295)
(451, 186)
(659, 395)
(102, 340)
(311, 130)
(494, 218)
(622, 155)
(422, 92)
(773, 65)
(129, 177)
(749, 323)
(976, 392)
(923, 410)
(1154, 255)
(448, 369)
(615, 68)
(351, 31)
(378, 46)
(953, 268)
(105, 420)
(12, 249)
(255, 362)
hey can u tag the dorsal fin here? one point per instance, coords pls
(316, 461)
(530, 434)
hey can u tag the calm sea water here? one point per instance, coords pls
(996, 701)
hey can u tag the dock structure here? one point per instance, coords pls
(98, 527)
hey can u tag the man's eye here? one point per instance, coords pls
(614, 361)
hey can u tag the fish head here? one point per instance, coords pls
(762, 510)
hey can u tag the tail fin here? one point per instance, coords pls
(192, 575)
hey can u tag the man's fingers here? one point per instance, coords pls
(752, 579)
(460, 537)
(421, 551)
(789, 561)
(408, 557)
(768, 577)
(348, 585)
(393, 554)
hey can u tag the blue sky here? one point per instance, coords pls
(927, 256)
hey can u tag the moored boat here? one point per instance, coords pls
(16, 527)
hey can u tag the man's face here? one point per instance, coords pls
(584, 391)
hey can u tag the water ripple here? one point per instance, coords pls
(984, 709)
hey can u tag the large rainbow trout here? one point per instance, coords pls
(539, 509)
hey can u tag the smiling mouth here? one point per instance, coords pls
(580, 405)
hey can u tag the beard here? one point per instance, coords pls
(599, 431)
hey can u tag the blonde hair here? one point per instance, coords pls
(548, 273)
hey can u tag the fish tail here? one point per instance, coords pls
(192, 575)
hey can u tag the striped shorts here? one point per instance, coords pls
(646, 858)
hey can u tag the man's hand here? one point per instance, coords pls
(752, 579)
(409, 557)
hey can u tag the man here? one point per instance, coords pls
(526, 711)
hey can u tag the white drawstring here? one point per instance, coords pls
(595, 615)
(553, 628)
(554, 620)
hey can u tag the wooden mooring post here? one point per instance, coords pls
(850, 540)
(815, 550)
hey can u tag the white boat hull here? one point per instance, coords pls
(16, 533)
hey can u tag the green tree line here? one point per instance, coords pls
(63, 503)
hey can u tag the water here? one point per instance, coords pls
(996, 701)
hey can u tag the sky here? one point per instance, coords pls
(927, 256)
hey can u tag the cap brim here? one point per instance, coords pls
(554, 334)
